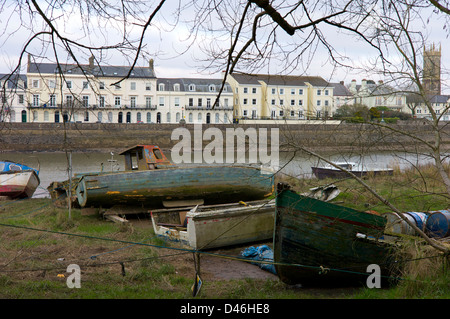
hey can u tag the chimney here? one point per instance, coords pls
(150, 64)
(91, 62)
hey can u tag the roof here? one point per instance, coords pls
(96, 70)
(291, 80)
(340, 89)
(201, 85)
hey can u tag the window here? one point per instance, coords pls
(244, 113)
(292, 91)
(300, 113)
(208, 103)
(51, 84)
(177, 117)
(326, 92)
(281, 113)
(21, 99)
(300, 102)
(148, 86)
(217, 118)
(177, 101)
(133, 101)
(69, 100)
(273, 113)
(191, 117)
(191, 101)
(101, 101)
(85, 85)
(300, 91)
(102, 85)
(176, 87)
(212, 88)
(199, 102)
(254, 90)
(319, 92)
(149, 117)
(69, 84)
(161, 87)
(245, 102)
(168, 117)
(292, 113)
(85, 100)
(318, 103)
(35, 99)
(281, 91)
(35, 84)
(191, 87)
(161, 101)
(292, 102)
(199, 117)
(274, 91)
(245, 90)
(225, 101)
(254, 101)
(133, 86)
(281, 102)
(326, 102)
(117, 101)
(138, 117)
(52, 101)
(273, 102)
(86, 116)
(148, 101)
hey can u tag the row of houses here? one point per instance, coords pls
(53, 92)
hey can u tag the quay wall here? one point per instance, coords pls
(94, 137)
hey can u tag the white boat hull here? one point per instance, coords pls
(222, 227)
(20, 184)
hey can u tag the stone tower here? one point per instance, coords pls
(432, 70)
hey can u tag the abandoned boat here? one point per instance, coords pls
(330, 171)
(320, 243)
(206, 227)
(17, 180)
(150, 180)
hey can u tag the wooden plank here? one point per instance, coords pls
(116, 219)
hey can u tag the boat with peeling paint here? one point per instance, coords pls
(318, 243)
(17, 180)
(150, 180)
(207, 227)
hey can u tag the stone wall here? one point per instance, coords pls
(54, 137)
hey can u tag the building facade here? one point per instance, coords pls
(275, 97)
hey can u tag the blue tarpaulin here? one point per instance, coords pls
(260, 253)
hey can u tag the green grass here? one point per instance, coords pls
(30, 265)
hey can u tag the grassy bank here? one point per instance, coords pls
(38, 241)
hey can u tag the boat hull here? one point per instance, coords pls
(318, 243)
(322, 173)
(217, 227)
(21, 184)
(160, 187)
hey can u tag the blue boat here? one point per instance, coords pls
(150, 180)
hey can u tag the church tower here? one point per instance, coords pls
(432, 70)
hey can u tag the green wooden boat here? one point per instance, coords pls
(150, 180)
(318, 243)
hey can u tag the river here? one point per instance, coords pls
(54, 166)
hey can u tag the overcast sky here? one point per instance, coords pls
(166, 43)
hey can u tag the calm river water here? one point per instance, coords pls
(54, 166)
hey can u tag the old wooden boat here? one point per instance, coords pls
(330, 171)
(150, 180)
(206, 227)
(17, 180)
(320, 243)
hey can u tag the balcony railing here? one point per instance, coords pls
(205, 107)
(82, 106)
